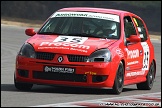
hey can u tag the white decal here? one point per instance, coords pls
(146, 55)
(105, 39)
(142, 72)
(133, 53)
(65, 48)
(66, 42)
(133, 62)
(71, 39)
(47, 69)
(119, 52)
(88, 15)
(53, 44)
(59, 69)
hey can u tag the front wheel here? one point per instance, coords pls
(22, 86)
(148, 84)
(119, 79)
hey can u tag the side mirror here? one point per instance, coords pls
(134, 38)
(30, 32)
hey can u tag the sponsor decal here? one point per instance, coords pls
(63, 14)
(105, 39)
(64, 45)
(146, 55)
(132, 53)
(72, 49)
(71, 39)
(128, 68)
(87, 15)
(133, 62)
(91, 73)
(66, 42)
(135, 21)
(56, 69)
(129, 74)
(119, 52)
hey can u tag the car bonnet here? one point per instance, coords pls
(68, 44)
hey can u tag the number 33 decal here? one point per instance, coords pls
(71, 39)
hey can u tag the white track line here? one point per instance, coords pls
(146, 100)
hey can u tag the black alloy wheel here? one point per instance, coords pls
(119, 79)
(148, 84)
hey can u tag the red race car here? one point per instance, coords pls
(87, 47)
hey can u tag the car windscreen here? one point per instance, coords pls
(82, 26)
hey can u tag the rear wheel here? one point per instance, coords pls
(119, 79)
(22, 86)
(148, 84)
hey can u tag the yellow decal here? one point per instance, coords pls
(91, 73)
(135, 21)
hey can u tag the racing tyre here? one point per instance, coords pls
(23, 86)
(119, 79)
(148, 84)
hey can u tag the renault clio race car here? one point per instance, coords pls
(87, 47)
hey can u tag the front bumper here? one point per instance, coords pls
(87, 74)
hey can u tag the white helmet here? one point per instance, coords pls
(110, 25)
(110, 28)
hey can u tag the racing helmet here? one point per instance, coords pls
(110, 28)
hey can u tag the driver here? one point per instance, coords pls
(85, 29)
(109, 30)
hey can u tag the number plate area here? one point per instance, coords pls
(59, 69)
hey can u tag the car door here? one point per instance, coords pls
(144, 43)
(134, 50)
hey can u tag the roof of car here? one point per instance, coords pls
(91, 9)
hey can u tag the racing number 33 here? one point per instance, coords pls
(71, 39)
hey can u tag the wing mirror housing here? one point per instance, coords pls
(134, 38)
(30, 32)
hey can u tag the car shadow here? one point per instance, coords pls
(63, 90)
(8, 87)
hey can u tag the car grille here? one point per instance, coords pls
(45, 55)
(77, 58)
(71, 58)
(60, 76)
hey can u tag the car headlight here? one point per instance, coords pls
(27, 50)
(102, 55)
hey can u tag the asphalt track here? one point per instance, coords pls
(12, 37)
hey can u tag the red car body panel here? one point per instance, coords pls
(131, 56)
